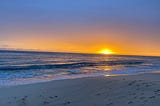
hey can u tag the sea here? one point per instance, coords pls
(25, 67)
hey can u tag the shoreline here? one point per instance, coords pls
(31, 81)
(135, 90)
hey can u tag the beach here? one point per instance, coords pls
(131, 90)
(79, 53)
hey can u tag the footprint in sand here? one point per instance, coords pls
(152, 97)
(131, 83)
(22, 102)
(46, 102)
(130, 102)
(66, 103)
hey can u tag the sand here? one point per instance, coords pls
(135, 90)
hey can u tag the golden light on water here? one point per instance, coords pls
(106, 51)
(110, 75)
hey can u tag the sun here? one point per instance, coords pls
(106, 51)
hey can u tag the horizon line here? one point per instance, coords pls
(45, 51)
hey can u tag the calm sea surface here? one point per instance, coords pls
(32, 67)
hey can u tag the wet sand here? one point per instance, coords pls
(135, 90)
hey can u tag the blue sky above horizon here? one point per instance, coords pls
(110, 23)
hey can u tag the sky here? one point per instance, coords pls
(86, 26)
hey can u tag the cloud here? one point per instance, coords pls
(4, 46)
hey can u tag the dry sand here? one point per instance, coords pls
(135, 90)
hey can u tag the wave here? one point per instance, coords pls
(71, 65)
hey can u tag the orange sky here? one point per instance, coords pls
(86, 26)
(86, 41)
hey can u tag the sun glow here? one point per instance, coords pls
(106, 51)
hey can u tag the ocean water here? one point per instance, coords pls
(30, 67)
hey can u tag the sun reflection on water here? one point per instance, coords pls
(109, 75)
